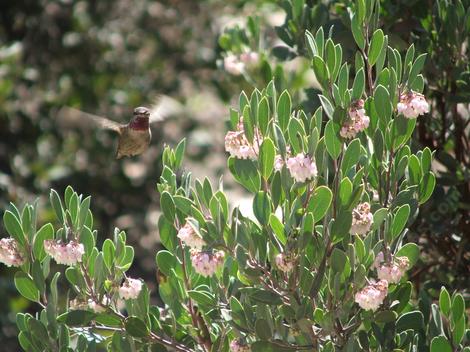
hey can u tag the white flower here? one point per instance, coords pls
(358, 120)
(238, 146)
(249, 58)
(130, 289)
(9, 252)
(392, 272)
(412, 105)
(64, 253)
(233, 65)
(372, 296)
(78, 304)
(284, 262)
(189, 237)
(278, 163)
(362, 219)
(301, 167)
(238, 346)
(206, 264)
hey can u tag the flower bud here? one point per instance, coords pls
(64, 253)
(130, 289)
(10, 254)
(392, 272)
(301, 167)
(362, 219)
(233, 65)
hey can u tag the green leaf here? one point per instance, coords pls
(284, 108)
(46, 232)
(263, 115)
(400, 219)
(57, 205)
(440, 344)
(263, 330)
(168, 206)
(26, 286)
(326, 105)
(265, 346)
(356, 27)
(108, 253)
(262, 207)
(166, 261)
(411, 320)
(332, 140)
(382, 103)
(376, 46)
(264, 296)
(358, 85)
(411, 251)
(267, 154)
(76, 317)
(416, 68)
(351, 155)
(321, 71)
(245, 173)
(278, 228)
(13, 227)
(136, 327)
(458, 307)
(179, 153)
(203, 299)
(320, 202)
(444, 301)
(379, 217)
(385, 316)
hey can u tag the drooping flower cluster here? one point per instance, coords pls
(372, 296)
(238, 346)
(357, 122)
(362, 219)
(412, 105)
(130, 288)
(238, 145)
(301, 167)
(206, 264)
(189, 237)
(392, 272)
(64, 253)
(284, 262)
(10, 254)
(236, 64)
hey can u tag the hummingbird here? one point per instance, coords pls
(134, 136)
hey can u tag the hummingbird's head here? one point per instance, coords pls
(140, 120)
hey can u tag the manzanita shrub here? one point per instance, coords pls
(322, 263)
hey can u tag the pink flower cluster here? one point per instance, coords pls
(189, 237)
(206, 264)
(392, 272)
(9, 252)
(357, 122)
(239, 147)
(64, 253)
(236, 64)
(238, 346)
(284, 262)
(412, 105)
(362, 219)
(130, 289)
(301, 167)
(372, 296)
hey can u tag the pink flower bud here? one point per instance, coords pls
(301, 167)
(10, 254)
(392, 272)
(64, 253)
(357, 122)
(205, 263)
(238, 346)
(238, 146)
(189, 237)
(284, 262)
(249, 58)
(233, 65)
(372, 296)
(412, 105)
(362, 219)
(130, 289)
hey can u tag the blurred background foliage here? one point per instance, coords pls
(108, 56)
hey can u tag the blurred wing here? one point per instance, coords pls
(69, 117)
(165, 107)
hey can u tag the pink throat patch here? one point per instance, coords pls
(139, 123)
